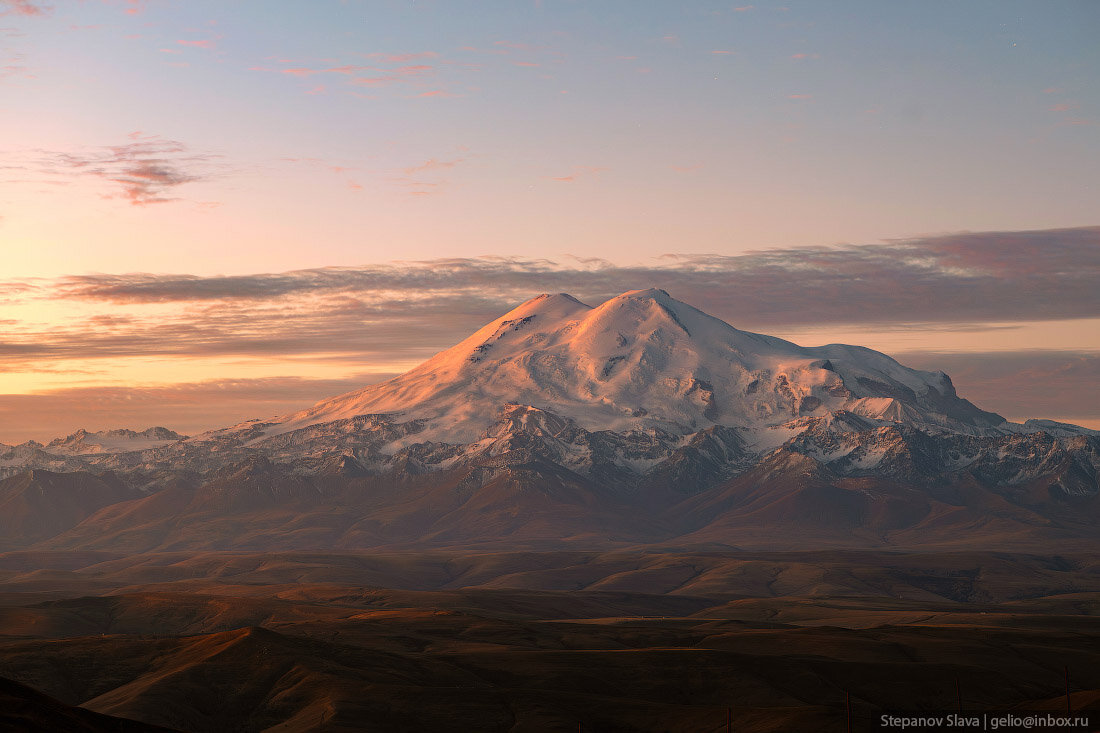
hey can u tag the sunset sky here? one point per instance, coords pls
(212, 211)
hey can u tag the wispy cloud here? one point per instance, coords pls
(399, 75)
(956, 278)
(428, 177)
(348, 325)
(580, 171)
(146, 170)
(433, 164)
(405, 311)
(23, 7)
(383, 70)
(302, 71)
(14, 67)
(204, 43)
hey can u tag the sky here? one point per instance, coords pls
(212, 211)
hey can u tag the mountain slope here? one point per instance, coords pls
(40, 504)
(641, 420)
(644, 360)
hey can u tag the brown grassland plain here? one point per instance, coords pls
(529, 641)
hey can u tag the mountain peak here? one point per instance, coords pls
(122, 440)
(642, 360)
(549, 305)
(661, 296)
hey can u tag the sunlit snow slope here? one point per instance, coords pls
(644, 359)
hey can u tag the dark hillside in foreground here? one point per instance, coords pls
(546, 641)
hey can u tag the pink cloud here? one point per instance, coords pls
(804, 56)
(23, 7)
(346, 69)
(303, 71)
(433, 164)
(15, 68)
(800, 96)
(401, 74)
(197, 44)
(1061, 108)
(145, 169)
(579, 172)
(426, 178)
(525, 63)
(744, 9)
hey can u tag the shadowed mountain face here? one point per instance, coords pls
(640, 421)
(25, 709)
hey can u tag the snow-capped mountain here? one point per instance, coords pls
(644, 360)
(111, 441)
(65, 453)
(634, 419)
